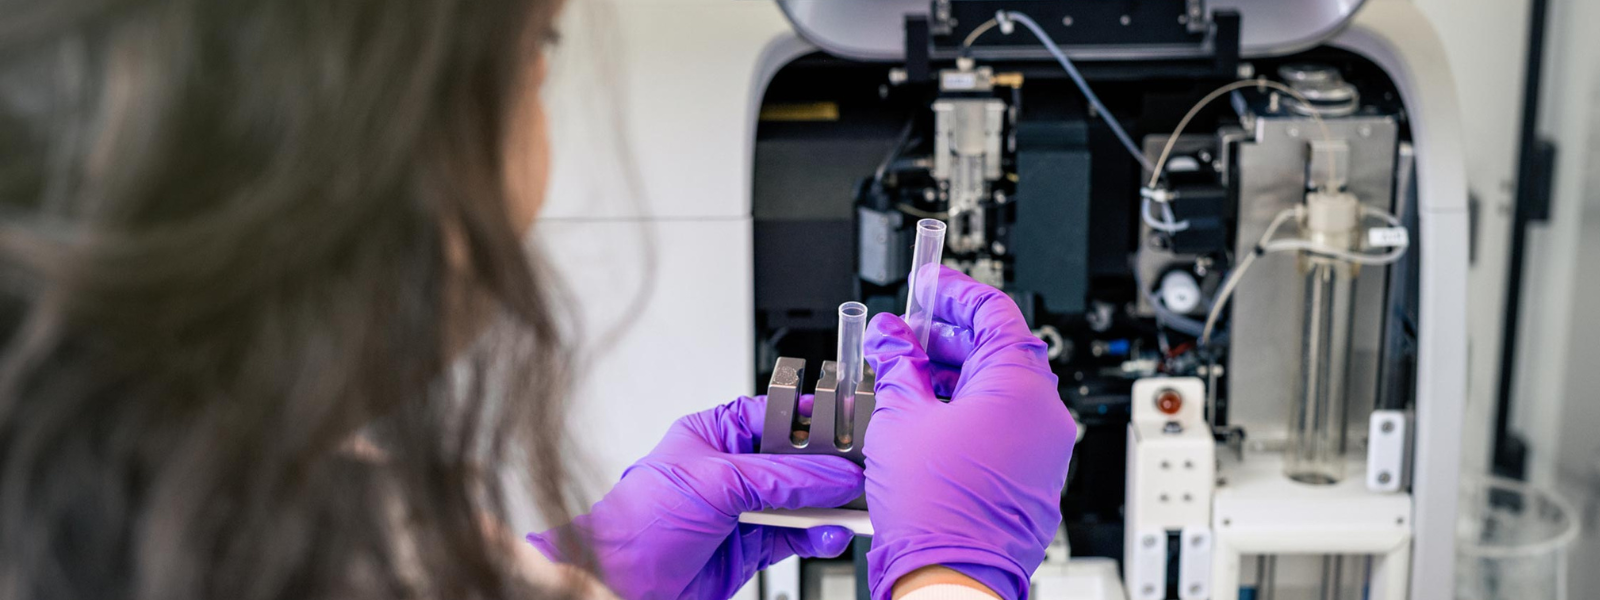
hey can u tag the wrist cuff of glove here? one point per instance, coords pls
(1001, 581)
(887, 564)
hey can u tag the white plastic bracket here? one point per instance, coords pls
(1387, 436)
(1194, 564)
(1147, 572)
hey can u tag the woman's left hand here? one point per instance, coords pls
(670, 528)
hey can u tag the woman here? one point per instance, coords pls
(264, 280)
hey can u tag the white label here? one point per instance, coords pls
(1387, 237)
(959, 81)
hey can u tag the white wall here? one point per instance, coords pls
(648, 215)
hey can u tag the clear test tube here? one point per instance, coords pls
(923, 282)
(852, 330)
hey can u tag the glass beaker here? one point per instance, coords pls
(1512, 541)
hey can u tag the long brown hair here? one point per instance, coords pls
(236, 236)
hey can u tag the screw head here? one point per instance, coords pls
(1149, 541)
(1067, 20)
(1387, 427)
(1384, 477)
(1125, 20)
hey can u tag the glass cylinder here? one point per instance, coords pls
(1315, 450)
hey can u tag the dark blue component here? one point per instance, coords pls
(1118, 347)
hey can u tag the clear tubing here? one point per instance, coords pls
(852, 330)
(1315, 450)
(923, 282)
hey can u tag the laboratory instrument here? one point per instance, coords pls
(1278, 260)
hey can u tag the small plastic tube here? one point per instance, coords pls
(852, 330)
(923, 282)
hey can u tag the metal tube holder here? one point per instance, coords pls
(786, 431)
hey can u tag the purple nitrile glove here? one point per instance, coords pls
(670, 528)
(973, 484)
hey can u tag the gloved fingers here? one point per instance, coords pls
(948, 347)
(1008, 370)
(805, 402)
(950, 344)
(945, 380)
(954, 346)
(732, 428)
(761, 481)
(827, 541)
(989, 313)
(763, 545)
(902, 368)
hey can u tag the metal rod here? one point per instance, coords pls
(1269, 590)
(1327, 571)
(1338, 577)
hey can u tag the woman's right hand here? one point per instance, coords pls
(973, 484)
